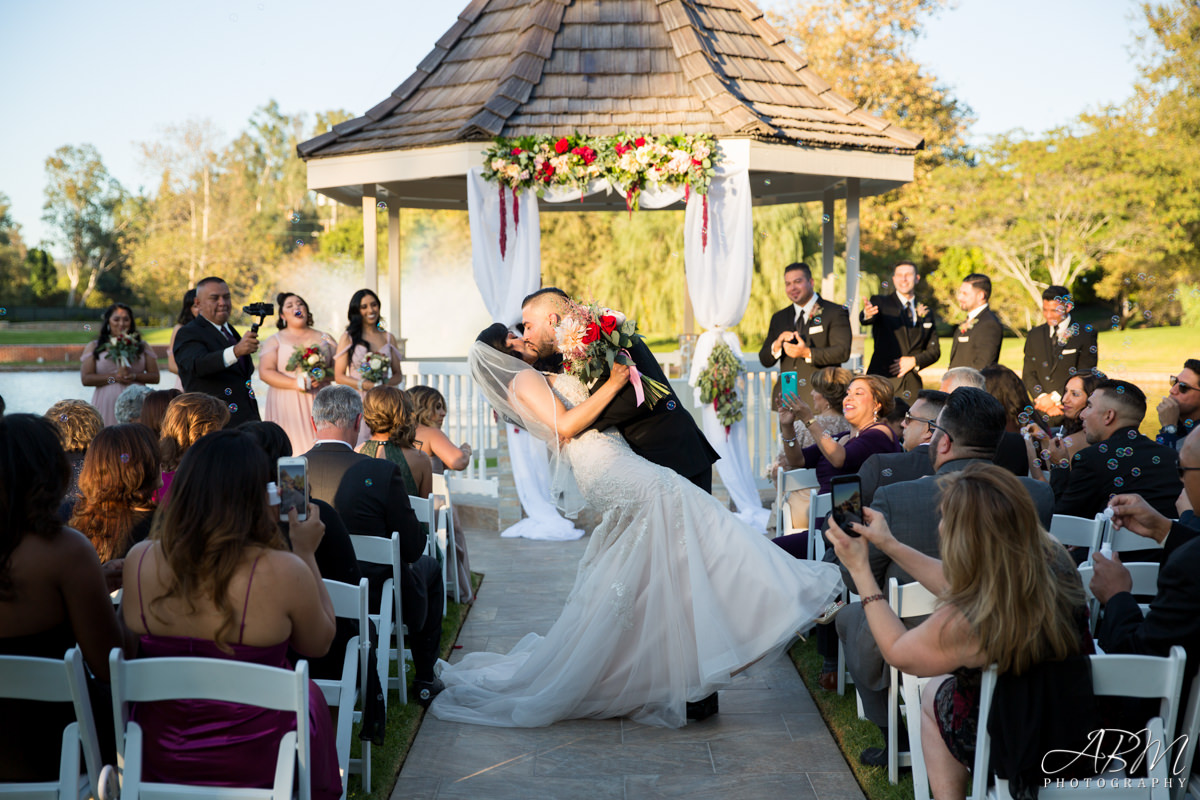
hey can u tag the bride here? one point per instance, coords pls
(672, 598)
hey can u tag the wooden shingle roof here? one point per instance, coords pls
(520, 67)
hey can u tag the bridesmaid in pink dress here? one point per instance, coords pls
(365, 334)
(290, 397)
(98, 369)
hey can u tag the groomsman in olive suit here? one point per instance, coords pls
(809, 334)
(977, 339)
(905, 333)
(1056, 350)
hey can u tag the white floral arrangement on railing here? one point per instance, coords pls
(628, 162)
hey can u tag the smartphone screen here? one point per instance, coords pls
(846, 501)
(787, 384)
(293, 487)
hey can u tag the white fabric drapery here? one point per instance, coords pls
(503, 283)
(718, 280)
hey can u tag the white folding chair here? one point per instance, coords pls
(1189, 730)
(445, 526)
(1078, 531)
(1113, 676)
(793, 480)
(913, 687)
(49, 680)
(819, 506)
(424, 508)
(456, 484)
(149, 680)
(350, 602)
(1123, 540)
(388, 622)
(1145, 583)
(909, 600)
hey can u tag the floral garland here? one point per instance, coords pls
(624, 160)
(718, 385)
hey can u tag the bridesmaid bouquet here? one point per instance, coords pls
(124, 348)
(718, 385)
(375, 367)
(312, 363)
(592, 339)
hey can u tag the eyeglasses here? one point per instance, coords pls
(910, 418)
(1183, 469)
(936, 427)
(1183, 387)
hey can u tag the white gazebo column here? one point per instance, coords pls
(852, 251)
(393, 266)
(370, 240)
(827, 201)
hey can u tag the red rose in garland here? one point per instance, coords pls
(562, 146)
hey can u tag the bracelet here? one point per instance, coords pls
(360, 383)
(871, 599)
(789, 442)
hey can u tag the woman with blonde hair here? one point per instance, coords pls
(77, 423)
(1008, 594)
(217, 580)
(390, 416)
(189, 416)
(431, 412)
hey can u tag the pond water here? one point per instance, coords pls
(34, 392)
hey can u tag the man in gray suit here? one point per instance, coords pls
(883, 469)
(966, 432)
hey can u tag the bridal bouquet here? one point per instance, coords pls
(312, 361)
(592, 339)
(718, 385)
(375, 367)
(124, 348)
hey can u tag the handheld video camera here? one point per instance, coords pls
(260, 310)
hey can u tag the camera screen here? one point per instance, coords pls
(846, 499)
(293, 482)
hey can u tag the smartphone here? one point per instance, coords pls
(787, 385)
(846, 501)
(293, 487)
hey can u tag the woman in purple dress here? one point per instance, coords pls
(110, 371)
(217, 580)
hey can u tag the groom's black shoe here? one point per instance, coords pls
(703, 709)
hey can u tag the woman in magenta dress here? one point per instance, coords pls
(290, 398)
(365, 335)
(111, 374)
(217, 580)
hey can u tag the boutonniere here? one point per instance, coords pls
(1065, 336)
(966, 326)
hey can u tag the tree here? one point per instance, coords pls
(82, 201)
(13, 280)
(43, 276)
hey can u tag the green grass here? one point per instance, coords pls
(852, 734)
(403, 721)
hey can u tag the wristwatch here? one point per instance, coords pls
(1170, 429)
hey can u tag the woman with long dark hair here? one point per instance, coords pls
(366, 341)
(52, 592)
(217, 580)
(295, 363)
(187, 313)
(107, 365)
(116, 493)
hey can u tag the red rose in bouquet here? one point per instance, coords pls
(592, 339)
(608, 323)
(591, 333)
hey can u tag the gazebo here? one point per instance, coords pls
(599, 67)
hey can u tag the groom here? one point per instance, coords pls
(665, 435)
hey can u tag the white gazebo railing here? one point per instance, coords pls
(469, 417)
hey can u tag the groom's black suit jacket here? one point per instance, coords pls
(666, 434)
(200, 353)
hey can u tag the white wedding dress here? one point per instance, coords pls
(674, 595)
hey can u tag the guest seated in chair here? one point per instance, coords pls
(217, 580)
(52, 592)
(1009, 595)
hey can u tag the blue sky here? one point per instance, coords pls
(114, 74)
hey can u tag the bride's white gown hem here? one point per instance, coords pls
(674, 595)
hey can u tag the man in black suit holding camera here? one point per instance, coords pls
(809, 334)
(213, 357)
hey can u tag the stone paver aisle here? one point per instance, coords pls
(767, 742)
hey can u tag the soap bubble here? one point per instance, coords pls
(367, 482)
(124, 458)
(1157, 459)
(1133, 434)
(233, 408)
(887, 473)
(1135, 472)
(87, 327)
(112, 380)
(228, 392)
(381, 205)
(299, 243)
(767, 182)
(1102, 447)
(1118, 482)
(1112, 463)
(825, 218)
(3, 312)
